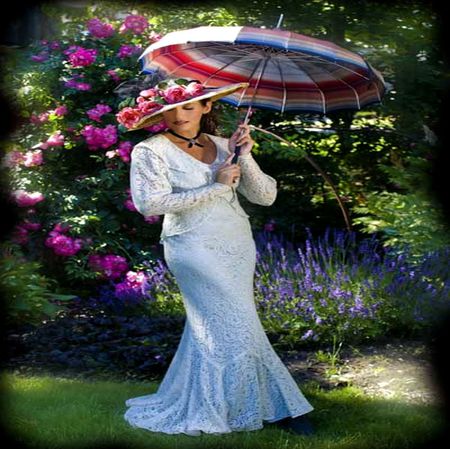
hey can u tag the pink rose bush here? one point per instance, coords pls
(73, 147)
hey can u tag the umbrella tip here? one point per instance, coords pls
(280, 20)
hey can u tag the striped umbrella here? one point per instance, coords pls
(286, 71)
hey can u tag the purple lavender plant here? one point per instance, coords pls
(341, 284)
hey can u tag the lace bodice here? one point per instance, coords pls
(166, 180)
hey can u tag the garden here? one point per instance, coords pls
(94, 315)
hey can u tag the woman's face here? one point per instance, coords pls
(190, 114)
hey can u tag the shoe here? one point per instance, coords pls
(300, 425)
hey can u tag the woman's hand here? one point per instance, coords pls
(228, 173)
(245, 141)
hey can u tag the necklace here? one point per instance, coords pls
(191, 141)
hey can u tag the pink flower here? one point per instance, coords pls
(20, 235)
(124, 150)
(63, 245)
(155, 36)
(39, 119)
(82, 86)
(41, 57)
(130, 205)
(110, 265)
(99, 29)
(112, 73)
(128, 50)
(33, 158)
(61, 110)
(55, 45)
(135, 23)
(135, 279)
(26, 199)
(61, 228)
(174, 94)
(31, 226)
(97, 138)
(152, 219)
(148, 107)
(81, 57)
(193, 89)
(13, 158)
(148, 93)
(97, 112)
(128, 117)
(55, 140)
(72, 83)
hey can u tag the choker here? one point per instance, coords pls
(191, 141)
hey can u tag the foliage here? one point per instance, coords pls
(410, 221)
(27, 293)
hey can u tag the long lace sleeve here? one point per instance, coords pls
(151, 190)
(255, 185)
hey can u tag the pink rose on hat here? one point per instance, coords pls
(174, 94)
(194, 89)
(148, 93)
(128, 117)
(148, 107)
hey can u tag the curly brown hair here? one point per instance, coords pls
(209, 122)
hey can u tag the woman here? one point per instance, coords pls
(225, 376)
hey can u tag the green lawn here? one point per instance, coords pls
(53, 412)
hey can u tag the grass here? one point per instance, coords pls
(52, 412)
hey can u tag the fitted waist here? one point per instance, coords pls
(180, 222)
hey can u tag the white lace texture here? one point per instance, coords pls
(166, 180)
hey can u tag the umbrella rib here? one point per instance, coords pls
(319, 89)
(245, 89)
(259, 78)
(337, 79)
(284, 84)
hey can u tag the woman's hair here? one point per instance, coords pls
(209, 121)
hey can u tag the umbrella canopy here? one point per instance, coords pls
(286, 71)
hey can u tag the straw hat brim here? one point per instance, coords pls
(214, 95)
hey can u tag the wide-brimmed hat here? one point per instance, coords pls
(166, 95)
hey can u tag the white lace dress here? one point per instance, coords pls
(225, 376)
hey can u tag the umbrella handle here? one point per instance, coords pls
(237, 152)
